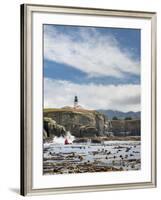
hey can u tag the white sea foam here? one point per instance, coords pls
(61, 139)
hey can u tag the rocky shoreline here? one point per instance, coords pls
(99, 139)
(91, 157)
(103, 139)
(50, 168)
(97, 145)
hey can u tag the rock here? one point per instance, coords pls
(88, 131)
(80, 157)
(45, 135)
(126, 127)
(87, 123)
(80, 140)
(96, 141)
(51, 128)
(81, 123)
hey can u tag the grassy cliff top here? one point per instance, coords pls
(47, 110)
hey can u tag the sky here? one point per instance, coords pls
(99, 65)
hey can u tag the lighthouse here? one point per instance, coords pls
(75, 102)
(76, 105)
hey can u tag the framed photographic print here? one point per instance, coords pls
(88, 99)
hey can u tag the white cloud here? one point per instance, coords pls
(58, 93)
(89, 51)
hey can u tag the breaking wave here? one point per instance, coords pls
(61, 140)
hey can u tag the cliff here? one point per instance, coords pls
(81, 123)
(126, 127)
(52, 128)
(86, 123)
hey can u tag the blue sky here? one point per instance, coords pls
(91, 57)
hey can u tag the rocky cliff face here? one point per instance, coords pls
(126, 127)
(51, 128)
(81, 123)
(86, 123)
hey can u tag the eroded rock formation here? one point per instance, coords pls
(86, 123)
(81, 123)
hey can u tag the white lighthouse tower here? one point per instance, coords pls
(75, 102)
